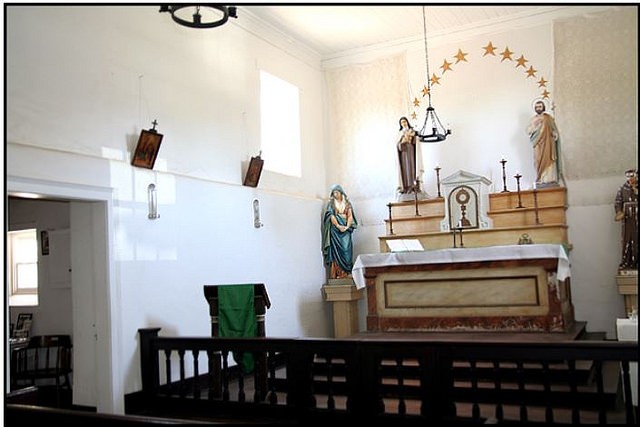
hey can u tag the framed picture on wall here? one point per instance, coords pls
(44, 242)
(147, 149)
(253, 172)
(23, 325)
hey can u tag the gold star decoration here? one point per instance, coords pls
(489, 49)
(521, 61)
(460, 56)
(506, 54)
(445, 66)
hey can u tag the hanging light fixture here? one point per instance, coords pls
(200, 16)
(432, 130)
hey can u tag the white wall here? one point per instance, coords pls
(81, 84)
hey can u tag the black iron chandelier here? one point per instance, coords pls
(432, 130)
(200, 16)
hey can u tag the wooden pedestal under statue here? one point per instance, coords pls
(627, 282)
(344, 295)
(522, 288)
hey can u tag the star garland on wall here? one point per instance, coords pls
(506, 55)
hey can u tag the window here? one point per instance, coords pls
(22, 267)
(280, 125)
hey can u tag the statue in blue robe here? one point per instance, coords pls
(338, 225)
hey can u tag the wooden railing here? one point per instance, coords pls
(401, 381)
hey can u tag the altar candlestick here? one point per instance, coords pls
(390, 220)
(535, 203)
(437, 169)
(504, 177)
(517, 176)
(415, 196)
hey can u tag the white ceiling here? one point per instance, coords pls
(333, 28)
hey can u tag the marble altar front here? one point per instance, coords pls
(510, 288)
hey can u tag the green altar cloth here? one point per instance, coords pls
(237, 318)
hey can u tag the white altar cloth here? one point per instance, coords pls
(444, 256)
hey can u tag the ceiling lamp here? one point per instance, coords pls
(432, 130)
(199, 16)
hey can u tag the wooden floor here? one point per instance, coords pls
(44, 396)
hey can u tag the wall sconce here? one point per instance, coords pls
(153, 202)
(256, 214)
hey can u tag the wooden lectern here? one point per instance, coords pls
(260, 303)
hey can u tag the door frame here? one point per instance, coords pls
(98, 203)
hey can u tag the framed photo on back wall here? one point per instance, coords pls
(23, 325)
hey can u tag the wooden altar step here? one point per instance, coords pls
(498, 202)
(547, 233)
(307, 379)
(485, 373)
(525, 216)
(478, 386)
(540, 214)
(504, 219)
(544, 197)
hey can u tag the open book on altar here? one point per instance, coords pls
(404, 245)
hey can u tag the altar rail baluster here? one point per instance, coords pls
(446, 376)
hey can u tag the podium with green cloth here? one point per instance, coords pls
(238, 310)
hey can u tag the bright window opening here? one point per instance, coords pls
(280, 125)
(22, 267)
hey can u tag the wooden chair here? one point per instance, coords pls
(46, 357)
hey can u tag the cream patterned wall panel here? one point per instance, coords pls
(596, 64)
(366, 102)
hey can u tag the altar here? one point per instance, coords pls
(523, 288)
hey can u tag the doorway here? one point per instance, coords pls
(92, 288)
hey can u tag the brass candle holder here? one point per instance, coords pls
(415, 196)
(535, 203)
(504, 177)
(437, 169)
(517, 176)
